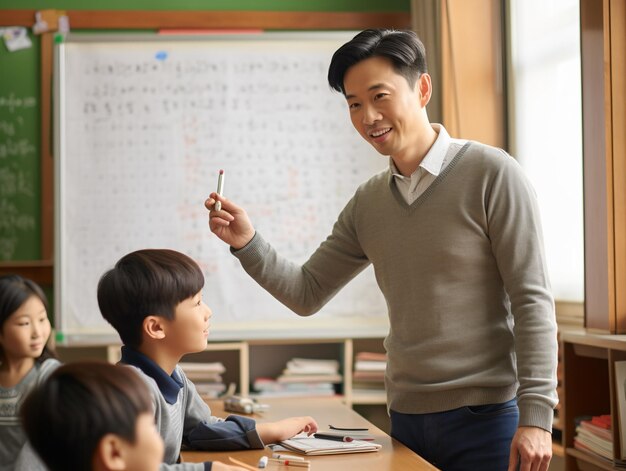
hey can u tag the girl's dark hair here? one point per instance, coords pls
(79, 403)
(143, 283)
(14, 292)
(403, 48)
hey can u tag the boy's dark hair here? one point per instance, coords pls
(79, 403)
(15, 291)
(143, 283)
(403, 48)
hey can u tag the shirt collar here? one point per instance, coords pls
(434, 158)
(169, 386)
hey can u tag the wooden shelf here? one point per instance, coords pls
(589, 462)
(589, 383)
(241, 357)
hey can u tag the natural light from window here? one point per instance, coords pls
(546, 130)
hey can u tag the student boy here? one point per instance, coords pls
(453, 231)
(93, 416)
(153, 299)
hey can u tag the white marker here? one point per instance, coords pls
(280, 456)
(263, 462)
(220, 188)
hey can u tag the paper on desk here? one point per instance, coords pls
(318, 446)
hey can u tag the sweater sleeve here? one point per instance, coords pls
(517, 243)
(305, 289)
(204, 431)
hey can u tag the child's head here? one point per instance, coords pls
(155, 292)
(93, 415)
(24, 324)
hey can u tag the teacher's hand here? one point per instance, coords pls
(532, 446)
(231, 223)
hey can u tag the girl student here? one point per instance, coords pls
(25, 360)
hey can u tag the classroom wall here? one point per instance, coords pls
(20, 142)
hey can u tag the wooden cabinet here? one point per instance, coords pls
(589, 389)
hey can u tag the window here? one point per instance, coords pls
(546, 128)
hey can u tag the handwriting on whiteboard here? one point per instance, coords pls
(146, 128)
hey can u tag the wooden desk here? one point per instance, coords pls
(326, 411)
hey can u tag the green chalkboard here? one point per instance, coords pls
(20, 233)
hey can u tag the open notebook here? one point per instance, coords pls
(319, 446)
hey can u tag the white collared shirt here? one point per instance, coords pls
(436, 159)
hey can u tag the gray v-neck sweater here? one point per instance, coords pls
(463, 273)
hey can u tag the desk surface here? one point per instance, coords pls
(326, 411)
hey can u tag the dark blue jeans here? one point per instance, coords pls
(474, 438)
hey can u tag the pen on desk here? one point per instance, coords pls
(337, 438)
(294, 463)
(281, 456)
(220, 188)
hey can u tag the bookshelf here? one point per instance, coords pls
(247, 360)
(589, 389)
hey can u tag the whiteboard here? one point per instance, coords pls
(142, 126)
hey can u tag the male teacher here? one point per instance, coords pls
(452, 229)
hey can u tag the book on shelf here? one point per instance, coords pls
(594, 435)
(207, 377)
(267, 387)
(311, 366)
(204, 367)
(592, 448)
(370, 361)
(371, 356)
(589, 427)
(369, 365)
(203, 371)
(302, 377)
(306, 370)
(310, 378)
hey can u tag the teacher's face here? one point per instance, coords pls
(385, 110)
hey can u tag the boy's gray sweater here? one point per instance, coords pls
(183, 418)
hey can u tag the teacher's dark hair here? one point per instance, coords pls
(402, 47)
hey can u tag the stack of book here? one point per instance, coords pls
(207, 377)
(593, 435)
(369, 373)
(302, 377)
